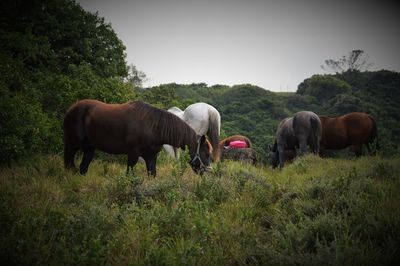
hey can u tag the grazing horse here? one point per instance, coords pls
(134, 128)
(225, 142)
(349, 130)
(205, 120)
(303, 129)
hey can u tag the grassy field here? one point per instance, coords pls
(313, 212)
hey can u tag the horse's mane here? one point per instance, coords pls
(324, 116)
(171, 129)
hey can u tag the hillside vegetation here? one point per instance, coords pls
(313, 212)
(254, 112)
(55, 53)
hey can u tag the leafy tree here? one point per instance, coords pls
(344, 103)
(24, 128)
(52, 53)
(136, 77)
(323, 87)
(163, 97)
(54, 34)
(355, 61)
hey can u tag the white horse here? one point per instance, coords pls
(205, 120)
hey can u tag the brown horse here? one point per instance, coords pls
(226, 141)
(134, 128)
(349, 130)
(242, 154)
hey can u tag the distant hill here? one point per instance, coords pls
(254, 112)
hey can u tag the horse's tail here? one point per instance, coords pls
(374, 134)
(74, 131)
(316, 132)
(213, 132)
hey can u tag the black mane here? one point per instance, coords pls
(171, 129)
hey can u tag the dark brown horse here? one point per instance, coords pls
(349, 130)
(134, 128)
(299, 131)
(226, 141)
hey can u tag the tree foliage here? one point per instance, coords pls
(354, 61)
(54, 34)
(254, 112)
(136, 77)
(323, 87)
(53, 53)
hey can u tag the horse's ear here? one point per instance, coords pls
(270, 147)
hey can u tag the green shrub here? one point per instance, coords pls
(312, 212)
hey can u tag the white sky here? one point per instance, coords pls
(274, 44)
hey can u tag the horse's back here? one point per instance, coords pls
(311, 124)
(346, 130)
(196, 111)
(285, 134)
(95, 111)
(102, 125)
(359, 127)
(198, 116)
(205, 120)
(306, 120)
(176, 111)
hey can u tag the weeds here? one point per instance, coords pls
(314, 211)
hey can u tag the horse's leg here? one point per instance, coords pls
(132, 160)
(88, 152)
(177, 153)
(281, 154)
(317, 147)
(370, 152)
(70, 149)
(151, 164)
(303, 145)
(170, 150)
(314, 146)
(357, 149)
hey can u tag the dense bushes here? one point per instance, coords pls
(53, 54)
(24, 128)
(254, 112)
(31, 118)
(323, 88)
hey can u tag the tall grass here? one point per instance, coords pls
(315, 211)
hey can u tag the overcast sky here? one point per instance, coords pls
(272, 44)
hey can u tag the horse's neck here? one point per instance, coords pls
(189, 140)
(192, 143)
(178, 137)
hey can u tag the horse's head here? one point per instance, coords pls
(289, 155)
(274, 155)
(201, 160)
